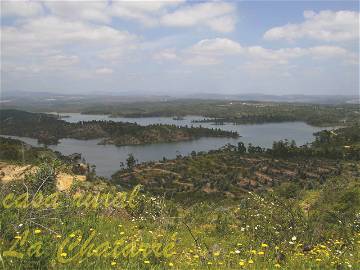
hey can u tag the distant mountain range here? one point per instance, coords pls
(319, 99)
(91, 97)
(47, 97)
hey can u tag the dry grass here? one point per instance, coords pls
(11, 172)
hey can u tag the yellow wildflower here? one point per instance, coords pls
(171, 264)
(17, 237)
(277, 265)
(216, 253)
(37, 231)
(113, 263)
(261, 253)
(63, 254)
(250, 261)
(146, 262)
(264, 245)
(241, 263)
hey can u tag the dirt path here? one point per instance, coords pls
(64, 180)
(10, 172)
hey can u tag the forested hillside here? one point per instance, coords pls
(235, 170)
(239, 112)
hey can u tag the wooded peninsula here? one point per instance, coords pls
(48, 129)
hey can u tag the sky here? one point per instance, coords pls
(180, 47)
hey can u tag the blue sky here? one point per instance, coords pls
(179, 47)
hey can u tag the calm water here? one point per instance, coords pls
(107, 158)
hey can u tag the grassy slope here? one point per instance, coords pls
(228, 233)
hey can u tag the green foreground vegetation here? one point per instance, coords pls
(240, 207)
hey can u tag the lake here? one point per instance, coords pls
(107, 158)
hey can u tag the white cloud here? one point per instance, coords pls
(203, 53)
(201, 60)
(218, 16)
(56, 62)
(112, 54)
(104, 71)
(146, 12)
(80, 43)
(267, 59)
(61, 61)
(215, 51)
(210, 51)
(96, 11)
(165, 55)
(280, 56)
(325, 26)
(284, 55)
(21, 8)
(52, 33)
(218, 46)
(48, 44)
(327, 51)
